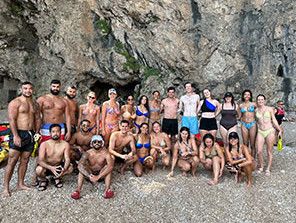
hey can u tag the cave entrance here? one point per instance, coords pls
(8, 90)
(123, 91)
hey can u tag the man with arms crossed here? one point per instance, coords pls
(24, 118)
(170, 107)
(190, 101)
(118, 141)
(73, 107)
(95, 164)
(54, 159)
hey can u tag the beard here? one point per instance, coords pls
(70, 97)
(55, 137)
(85, 131)
(27, 96)
(54, 92)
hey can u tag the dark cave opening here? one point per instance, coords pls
(280, 71)
(123, 91)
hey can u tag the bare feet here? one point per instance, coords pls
(184, 173)
(212, 182)
(194, 175)
(6, 193)
(122, 170)
(163, 167)
(240, 177)
(35, 183)
(249, 184)
(23, 187)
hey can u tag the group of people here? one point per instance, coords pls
(89, 139)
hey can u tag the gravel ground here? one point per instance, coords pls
(156, 198)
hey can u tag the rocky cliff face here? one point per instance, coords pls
(144, 45)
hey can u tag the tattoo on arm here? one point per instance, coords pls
(36, 106)
(84, 171)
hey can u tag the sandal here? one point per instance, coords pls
(109, 194)
(43, 185)
(76, 195)
(57, 182)
(267, 173)
(35, 184)
(260, 170)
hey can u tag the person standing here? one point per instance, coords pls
(169, 106)
(188, 107)
(73, 107)
(24, 119)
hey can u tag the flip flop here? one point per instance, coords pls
(267, 173)
(76, 195)
(109, 194)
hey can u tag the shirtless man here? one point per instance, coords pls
(53, 108)
(170, 107)
(190, 102)
(73, 107)
(24, 118)
(95, 164)
(80, 142)
(54, 159)
(118, 141)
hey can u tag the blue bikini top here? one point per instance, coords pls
(251, 109)
(140, 145)
(139, 113)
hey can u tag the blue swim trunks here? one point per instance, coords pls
(191, 123)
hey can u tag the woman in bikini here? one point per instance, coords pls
(128, 111)
(154, 109)
(142, 112)
(185, 154)
(212, 157)
(110, 116)
(239, 159)
(209, 109)
(266, 133)
(90, 112)
(229, 112)
(161, 143)
(144, 151)
(248, 120)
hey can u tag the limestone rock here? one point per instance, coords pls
(141, 45)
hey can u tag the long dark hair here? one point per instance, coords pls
(247, 90)
(184, 129)
(229, 94)
(233, 135)
(144, 123)
(208, 136)
(146, 105)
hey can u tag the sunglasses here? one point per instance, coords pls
(130, 99)
(91, 97)
(85, 125)
(96, 141)
(281, 104)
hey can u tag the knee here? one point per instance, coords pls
(260, 152)
(195, 160)
(39, 170)
(138, 173)
(186, 167)
(12, 160)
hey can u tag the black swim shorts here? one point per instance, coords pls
(208, 124)
(170, 126)
(27, 141)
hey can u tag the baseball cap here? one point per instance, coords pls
(98, 138)
(233, 135)
(112, 90)
(228, 94)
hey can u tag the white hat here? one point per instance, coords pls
(112, 90)
(97, 137)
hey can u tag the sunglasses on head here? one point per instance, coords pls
(91, 97)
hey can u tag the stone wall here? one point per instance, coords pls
(138, 46)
